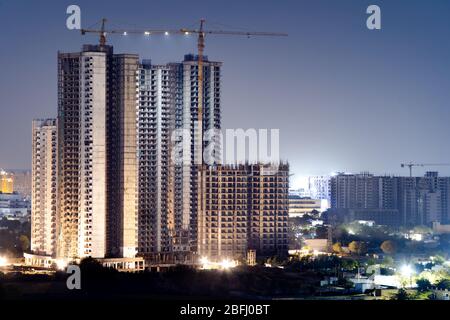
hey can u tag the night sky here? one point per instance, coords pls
(344, 98)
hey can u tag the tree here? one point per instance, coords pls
(357, 247)
(371, 262)
(347, 284)
(315, 213)
(388, 261)
(337, 247)
(389, 247)
(438, 260)
(423, 284)
(402, 294)
(349, 264)
(444, 284)
(24, 242)
(322, 232)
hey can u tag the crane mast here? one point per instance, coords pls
(200, 48)
(102, 33)
(199, 142)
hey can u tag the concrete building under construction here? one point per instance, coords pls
(246, 208)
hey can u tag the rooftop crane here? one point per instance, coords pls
(201, 34)
(410, 165)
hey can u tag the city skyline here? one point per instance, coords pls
(169, 151)
(374, 75)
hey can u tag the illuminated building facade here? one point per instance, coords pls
(299, 206)
(6, 182)
(246, 208)
(22, 182)
(44, 219)
(97, 93)
(319, 187)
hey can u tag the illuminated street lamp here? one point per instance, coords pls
(205, 263)
(227, 264)
(3, 262)
(61, 264)
(407, 271)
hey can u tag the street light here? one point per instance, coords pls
(407, 271)
(227, 264)
(61, 264)
(3, 262)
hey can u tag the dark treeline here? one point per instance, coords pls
(177, 283)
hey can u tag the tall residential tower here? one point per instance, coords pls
(44, 218)
(156, 120)
(193, 141)
(97, 96)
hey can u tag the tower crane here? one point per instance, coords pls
(410, 165)
(201, 34)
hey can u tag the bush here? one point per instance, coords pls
(423, 284)
(402, 294)
(389, 247)
(444, 284)
(357, 247)
(337, 247)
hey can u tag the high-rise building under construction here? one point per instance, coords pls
(45, 221)
(97, 153)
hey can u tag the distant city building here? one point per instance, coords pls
(300, 192)
(439, 228)
(387, 217)
(245, 209)
(44, 218)
(6, 182)
(22, 182)
(14, 207)
(356, 191)
(413, 200)
(319, 187)
(425, 200)
(299, 206)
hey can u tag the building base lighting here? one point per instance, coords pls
(3, 262)
(225, 264)
(61, 264)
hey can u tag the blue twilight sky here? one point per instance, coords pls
(344, 98)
